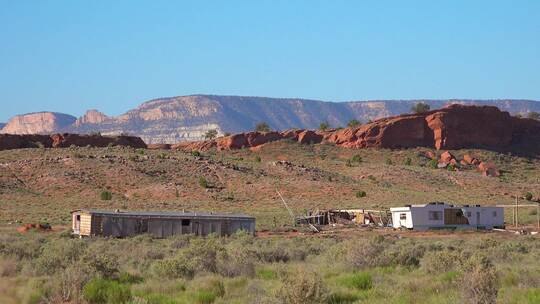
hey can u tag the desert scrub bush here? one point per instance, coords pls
(195, 153)
(357, 280)
(105, 195)
(203, 182)
(208, 289)
(360, 194)
(435, 262)
(406, 253)
(258, 158)
(104, 265)
(140, 151)
(58, 254)
(480, 282)
(302, 286)
(178, 267)
(361, 254)
(236, 260)
(8, 267)
(408, 161)
(529, 196)
(99, 291)
(389, 162)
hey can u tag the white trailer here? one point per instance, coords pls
(440, 215)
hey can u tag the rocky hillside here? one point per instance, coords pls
(185, 118)
(452, 127)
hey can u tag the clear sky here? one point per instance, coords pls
(69, 56)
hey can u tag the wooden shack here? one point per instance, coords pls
(158, 224)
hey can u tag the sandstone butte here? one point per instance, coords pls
(453, 127)
(12, 141)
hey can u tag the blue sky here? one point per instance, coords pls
(70, 56)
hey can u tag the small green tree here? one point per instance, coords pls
(528, 196)
(353, 123)
(360, 194)
(210, 134)
(533, 115)
(105, 195)
(323, 126)
(420, 107)
(262, 127)
(203, 182)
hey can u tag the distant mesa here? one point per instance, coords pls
(38, 123)
(91, 117)
(187, 118)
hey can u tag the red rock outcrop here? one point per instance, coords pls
(159, 146)
(454, 127)
(12, 141)
(488, 169)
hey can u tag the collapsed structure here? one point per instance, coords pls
(439, 215)
(157, 224)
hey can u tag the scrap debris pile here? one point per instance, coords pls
(340, 218)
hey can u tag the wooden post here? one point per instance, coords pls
(516, 212)
(538, 216)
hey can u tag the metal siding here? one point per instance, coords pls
(155, 228)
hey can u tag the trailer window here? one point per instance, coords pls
(403, 216)
(78, 217)
(185, 222)
(435, 215)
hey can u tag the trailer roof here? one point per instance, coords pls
(169, 214)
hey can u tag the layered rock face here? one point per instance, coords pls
(453, 127)
(19, 141)
(38, 123)
(188, 118)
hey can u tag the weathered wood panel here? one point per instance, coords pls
(86, 224)
(455, 216)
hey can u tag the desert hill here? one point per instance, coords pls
(185, 118)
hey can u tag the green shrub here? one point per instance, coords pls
(451, 167)
(389, 162)
(342, 298)
(140, 151)
(433, 164)
(408, 161)
(195, 153)
(360, 194)
(258, 158)
(266, 274)
(323, 126)
(99, 291)
(105, 195)
(203, 182)
(356, 158)
(528, 196)
(262, 127)
(358, 280)
(204, 297)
